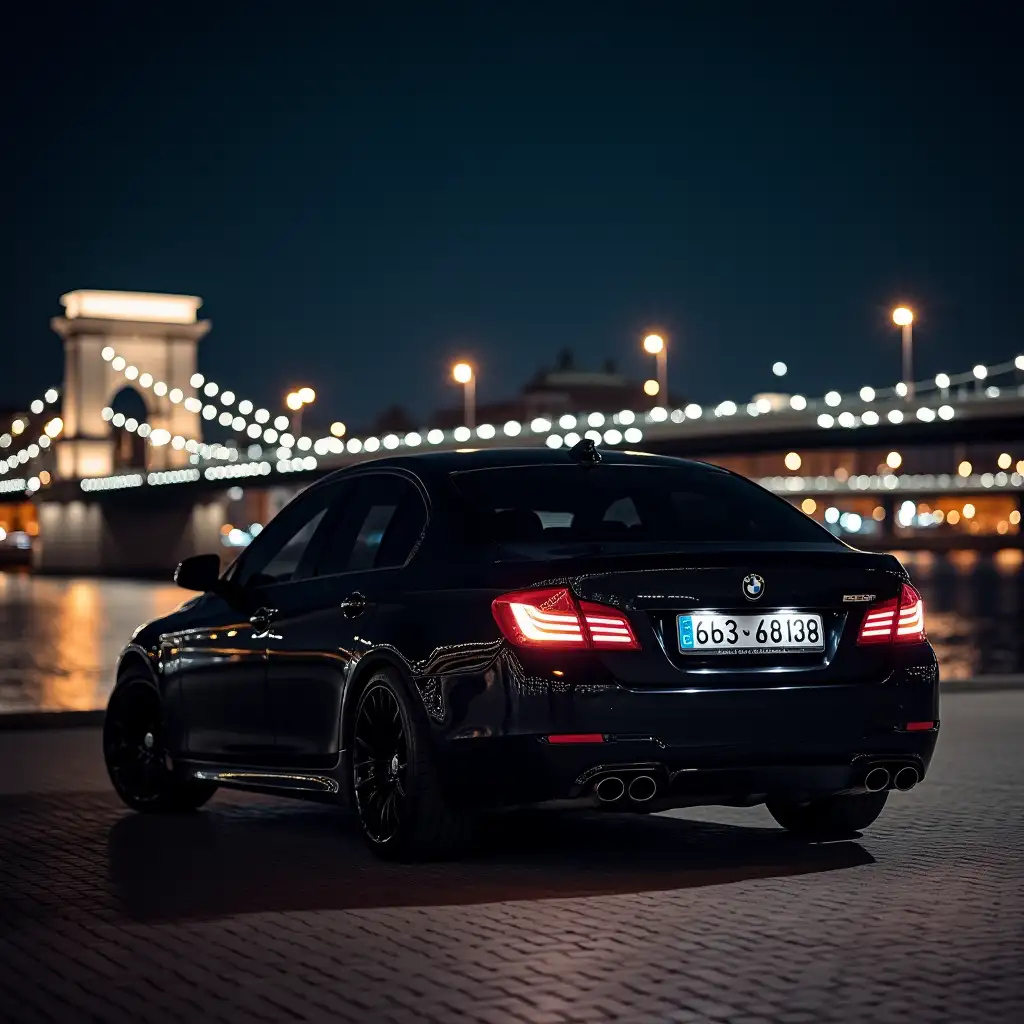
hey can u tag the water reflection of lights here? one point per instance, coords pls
(963, 561)
(920, 563)
(1008, 561)
(60, 639)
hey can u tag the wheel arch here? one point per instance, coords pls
(135, 663)
(372, 662)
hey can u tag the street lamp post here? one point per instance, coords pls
(295, 402)
(904, 319)
(655, 345)
(463, 374)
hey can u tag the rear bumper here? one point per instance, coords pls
(703, 746)
(522, 771)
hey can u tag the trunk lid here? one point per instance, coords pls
(838, 584)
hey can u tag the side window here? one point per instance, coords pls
(282, 549)
(370, 536)
(403, 531)
(283, 566)
(380, 523)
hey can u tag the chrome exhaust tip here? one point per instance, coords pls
(906, 778)
(642, 789)
(876, 780)
(610, 789)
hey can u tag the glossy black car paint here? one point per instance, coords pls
(258, 684)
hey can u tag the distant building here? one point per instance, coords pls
(565, 389)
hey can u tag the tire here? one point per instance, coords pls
(832, 817)
(136, 758)
(394, 786)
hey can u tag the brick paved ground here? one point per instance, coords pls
(262, 910)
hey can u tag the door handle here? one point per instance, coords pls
(354, 605)
(263, 617)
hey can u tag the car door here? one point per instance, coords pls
(217, 672)
(325, 622)
(220, 667)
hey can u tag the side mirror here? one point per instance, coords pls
(200, 572)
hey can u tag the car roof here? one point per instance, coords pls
(466, 459)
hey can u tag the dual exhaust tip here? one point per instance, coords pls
(641, 788)
(903, 779)
(611, 788)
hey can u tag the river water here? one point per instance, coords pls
(60, 638)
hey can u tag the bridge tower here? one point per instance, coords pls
(159, 335)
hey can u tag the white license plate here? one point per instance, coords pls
(783, 631)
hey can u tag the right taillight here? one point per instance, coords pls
(892, 621)
(553, 618)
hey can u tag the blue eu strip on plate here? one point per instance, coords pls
(685, 632)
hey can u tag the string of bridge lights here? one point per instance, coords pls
(601, 428)
(51, 430)
(237, 421)
(623, 426)
(610, 430)
(158, 436)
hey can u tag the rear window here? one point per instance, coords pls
(543, 512)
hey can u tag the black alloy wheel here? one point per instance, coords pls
(137, 760)
(395, 787)
(380, 760)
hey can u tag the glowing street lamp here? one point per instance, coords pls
(462, 373)
(655, 345)
(904, 319)
(295, 400)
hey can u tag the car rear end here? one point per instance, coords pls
(686, 638)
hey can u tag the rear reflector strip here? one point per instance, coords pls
(576, 737)
(920, 726)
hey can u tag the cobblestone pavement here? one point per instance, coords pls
(262, 910)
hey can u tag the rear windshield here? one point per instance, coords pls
(543, 512)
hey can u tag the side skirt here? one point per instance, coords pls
(299, 783)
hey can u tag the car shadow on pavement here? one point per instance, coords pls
(234, 859)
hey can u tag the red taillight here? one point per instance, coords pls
(878, 623)
(540, 618)
(576, 737)
(608, 627)
(891, 622)
(910, 624)
(553, 618)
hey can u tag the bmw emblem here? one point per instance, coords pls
(753, 586)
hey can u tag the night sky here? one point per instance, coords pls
(362, 192)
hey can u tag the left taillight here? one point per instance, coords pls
(892, 621)
(553, 618)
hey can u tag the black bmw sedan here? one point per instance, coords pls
(431, 636)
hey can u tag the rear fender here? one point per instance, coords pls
(368, 664)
